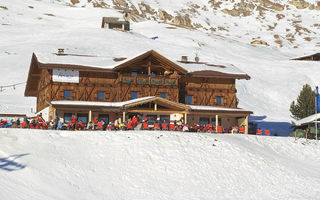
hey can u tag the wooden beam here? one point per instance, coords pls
(123, 116)
(246, 130)
(153, 111)
(217, 123)
(219, 113)
(155, 106)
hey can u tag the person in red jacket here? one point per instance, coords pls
(129, 125)
(23, 124)
(145, 125)
(81, 125)
(73, 123)
(156, 126)
(99, 126)
(40, 118)
(164, 125)
(172, 126)
(209, 128)
(95, 123)
(134, 121)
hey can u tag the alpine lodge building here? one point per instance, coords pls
(148, 84)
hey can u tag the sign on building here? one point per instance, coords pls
(65, 75)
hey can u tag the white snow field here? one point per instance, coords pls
(43, 26)
(56, 165)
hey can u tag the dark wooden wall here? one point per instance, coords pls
(205, 90)
(118, 87)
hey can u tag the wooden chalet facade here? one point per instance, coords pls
(148, 84)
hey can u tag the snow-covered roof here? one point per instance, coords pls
(100, 104)
(213, 108)
(121, 104)
(219, 67)
(110, 62)
(307, 120)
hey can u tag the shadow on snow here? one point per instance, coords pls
(10, 164)
(276, 128)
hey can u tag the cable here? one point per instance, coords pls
(2, 87)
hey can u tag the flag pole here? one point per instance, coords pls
(316, 111)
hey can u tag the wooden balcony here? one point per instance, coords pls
(146, 80)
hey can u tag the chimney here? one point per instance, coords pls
(60, 51)
(184, 58)
(197, 59)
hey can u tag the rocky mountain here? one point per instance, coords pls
(278, 23)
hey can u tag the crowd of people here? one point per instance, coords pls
(134, 123)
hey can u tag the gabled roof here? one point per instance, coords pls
(36, 67)
(313, 57)
(158, 100)
(113, 65)
(155, 54)
(114, 20)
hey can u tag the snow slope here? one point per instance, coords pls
(44, 26)
(155, 165)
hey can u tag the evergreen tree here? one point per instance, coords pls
(305, 105)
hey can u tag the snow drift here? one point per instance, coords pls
(36, 164)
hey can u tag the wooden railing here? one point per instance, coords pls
(146, 80)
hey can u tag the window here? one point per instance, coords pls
(163, 95)
(67, 94)
(164, 117)
(204, 121)
(134, 73)
(100, 95)
(152, 119)
(83, 118)
(219, 100)
(188, 99)
(67, 117)
(152, 74)
(103, 117)
(134, 95)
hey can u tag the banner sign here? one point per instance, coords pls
(65, 75)
(317, 99)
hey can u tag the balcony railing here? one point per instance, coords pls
(146, 80)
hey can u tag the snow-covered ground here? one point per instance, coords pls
(36, 164)
(44, 26)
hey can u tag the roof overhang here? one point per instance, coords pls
(218, 110)
(33, 77)
(73, 67)
(159, 101)
(215, 74)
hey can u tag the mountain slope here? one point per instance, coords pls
(44, 26)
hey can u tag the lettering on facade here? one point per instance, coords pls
(67, 76)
